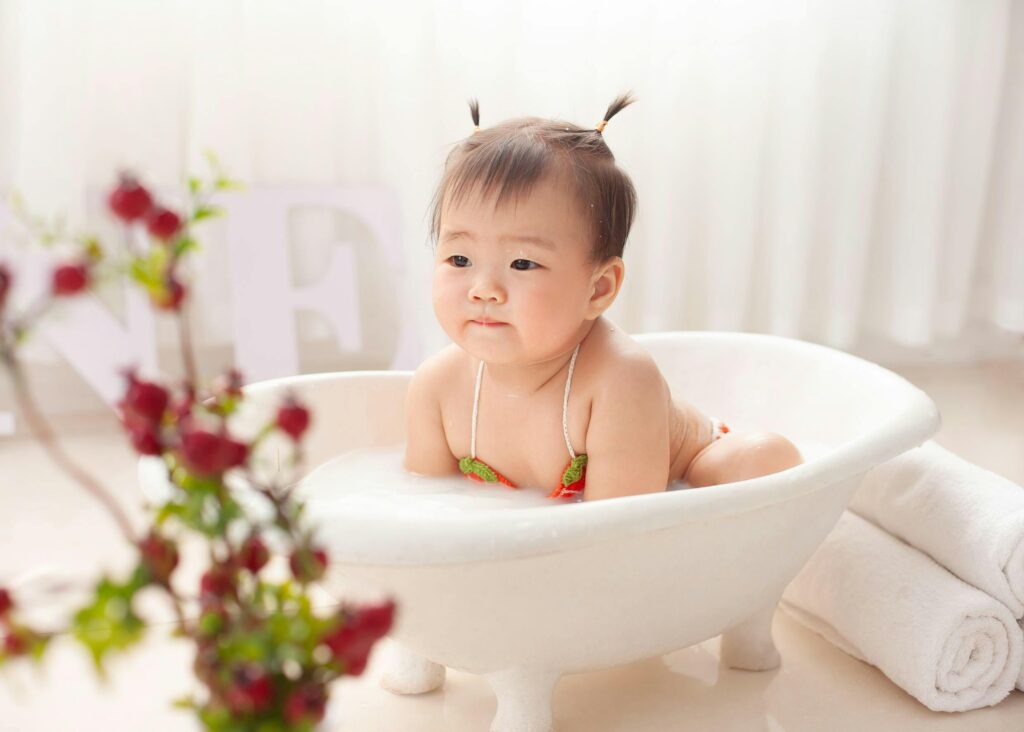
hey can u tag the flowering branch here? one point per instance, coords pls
(262, 654)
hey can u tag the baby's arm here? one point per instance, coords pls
(628, 437)
(426, 450)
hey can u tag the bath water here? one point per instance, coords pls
(374, 479)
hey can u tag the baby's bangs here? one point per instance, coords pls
(509, 165)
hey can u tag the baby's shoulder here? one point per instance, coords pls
(621, 364)
(437, 372)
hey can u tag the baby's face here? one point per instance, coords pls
(524, 264)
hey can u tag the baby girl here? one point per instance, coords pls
(538, 388)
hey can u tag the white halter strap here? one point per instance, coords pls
(565, 404)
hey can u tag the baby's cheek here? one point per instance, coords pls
(552, 313)
(443, 299)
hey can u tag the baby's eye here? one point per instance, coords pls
(457, 257)
(524, 269)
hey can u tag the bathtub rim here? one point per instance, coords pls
(488, 534)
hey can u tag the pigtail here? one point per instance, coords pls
(621, 102)
(474, 111)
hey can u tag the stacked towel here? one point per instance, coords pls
(933, 599)
(966, 518)
(946, 643)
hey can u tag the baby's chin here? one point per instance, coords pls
(492, 343)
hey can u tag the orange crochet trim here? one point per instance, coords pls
(574, 477)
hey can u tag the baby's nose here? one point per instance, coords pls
(486, 287)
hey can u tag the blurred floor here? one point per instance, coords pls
(45, 521)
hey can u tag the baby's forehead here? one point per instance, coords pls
(534, 215)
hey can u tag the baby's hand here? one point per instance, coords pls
(628, 438)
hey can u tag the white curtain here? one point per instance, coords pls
(835, 171)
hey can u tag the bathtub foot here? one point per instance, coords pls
(409, 673)
(524, 699)
(749, 646)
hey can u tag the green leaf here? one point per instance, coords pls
(184, 245)
(184, 702)
(194, 184)
(226, 184)
(109, 623)
(207, 212)
(469, 465)
(575, 470)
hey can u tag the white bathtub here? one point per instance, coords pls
(524, 596)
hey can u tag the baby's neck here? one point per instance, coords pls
(519, 381)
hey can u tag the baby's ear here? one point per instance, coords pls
(606, 285)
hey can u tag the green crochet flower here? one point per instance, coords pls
(471, 465)
(575, 470)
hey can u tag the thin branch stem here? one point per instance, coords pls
(187, 354)
(45, 435)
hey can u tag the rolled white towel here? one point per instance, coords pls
(947, 644)
(968, 519)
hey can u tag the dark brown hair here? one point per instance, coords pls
(514, 155)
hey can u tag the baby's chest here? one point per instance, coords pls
(521, 439)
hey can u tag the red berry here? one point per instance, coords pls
(145, 399)
(254, 554)
(205, 453)
(352, 640)
(251, 690)
(129, 201)
(15, 645)
(305, 703)
(160, 555)
(200, 451)
(216, 581)
(70, 279)
(350, 645)
(162, 223)
(6, 602)
(5, 284)
(145, 439)
(293, 418)
(308, 565)
(233, 453)
(171, 296)
(376, 619)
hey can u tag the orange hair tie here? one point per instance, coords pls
(600, 126)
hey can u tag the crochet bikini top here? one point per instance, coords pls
(573, 477)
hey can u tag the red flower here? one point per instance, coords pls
(171, 297)
(217, 581)
(160, 555)
(305, 703)
(376, 619)
(145, 439)
(251, 690)
(293, 418)
(308, 564)
(254, 554)
(70, 279)
(5, 284)
(144, 399)
(162, 223)
(129, 201)
(205, 453)
(352, 640)
(6, 602)
(15, 645)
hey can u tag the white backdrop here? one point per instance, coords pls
(835, 171)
